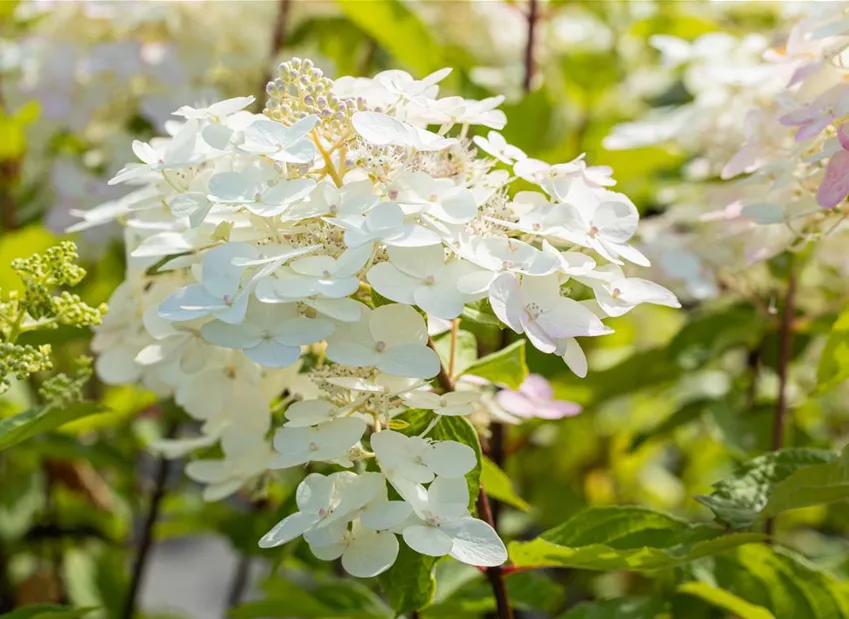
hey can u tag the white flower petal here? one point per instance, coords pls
(288, 529)
(370, 554)
(449, 459)
(428, 540)
(475, 542)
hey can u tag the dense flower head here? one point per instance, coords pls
(319, 235)
(767, 144)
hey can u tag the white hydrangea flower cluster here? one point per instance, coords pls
(768, 113)
(318, 234)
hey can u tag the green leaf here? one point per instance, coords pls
(618, 608)
(629, 538)
(834, 363)
(506, 366)
(499, 486)
(738, 500)
(725, 600)
(466, 352)
(811, 485)
(529, 591)
(48, 611)
(398, 31)
(688, 413)
(23, 426)
(327, 600)
(782, 582)
(709, 335)
(409, 584)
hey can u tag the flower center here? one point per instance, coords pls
(593, 232)
(533, 310)
(430, 280)
(616, 292)
(432, 197)
(228, 299)
(313, 447)
(326, 274)
(333, 209)
(380, 346)
(507, 264)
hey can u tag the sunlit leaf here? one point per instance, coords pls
(629, 538)
(506, 367)
(18, 428)
(499, 486)
(726, 601)
(738, 500)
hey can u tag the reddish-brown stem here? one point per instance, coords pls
(147, 533)
(785, 347)
(278, 37)
(495, 574)
(530, 62)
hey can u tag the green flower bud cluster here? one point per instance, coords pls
(63, 389)
(41, 305)
(301, 89)
(20, 361)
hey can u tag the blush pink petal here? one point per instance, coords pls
(558, 410)
(537, 388)
(835, 185)
(516, 403)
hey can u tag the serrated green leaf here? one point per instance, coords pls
(738, 500)
(48, 611)
(811, 485)
(782, 582)
(23, 426)
(409, 584)
(499, 486)
(631, 538)
(528, 591)
(506, 366)
(336, 598)
(725, 600)
(833, 367)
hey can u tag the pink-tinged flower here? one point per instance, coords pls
(535, 398)
(835, 185)
(819, 114)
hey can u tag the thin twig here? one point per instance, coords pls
(146, 541)
(785, 335)
(9, 173)
(278, 38)
(495, 574)
(239, 583)
(443, 378)
(530, 63)
(452, 357)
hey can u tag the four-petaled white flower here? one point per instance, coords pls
(495, 145)
(270, 334)
(219, 294)
(326, 441)
(450, 404)
(536, 308)
(392, 338)
(386, 223)
(420, 276)
(256, 195)
(279, 142)
(323, 500)
(417, 460)
(444, 526)
(617, 294)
